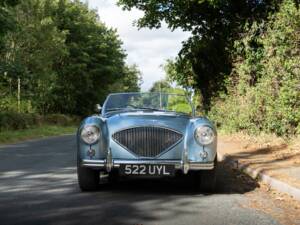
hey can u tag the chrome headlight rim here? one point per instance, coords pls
(90, 128)
(198, 139)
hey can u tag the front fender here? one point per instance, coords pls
(100, 147)
(194, 149)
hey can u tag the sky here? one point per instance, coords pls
(149, 49)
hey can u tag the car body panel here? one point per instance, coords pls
(107, 150)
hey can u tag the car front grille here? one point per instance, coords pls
(147, 141)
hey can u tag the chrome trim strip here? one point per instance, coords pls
(116, 164)
(93, 165)
(177, 163)
(200, 166)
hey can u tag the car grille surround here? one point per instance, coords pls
(147, 141)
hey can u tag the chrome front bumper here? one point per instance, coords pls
(179, 164)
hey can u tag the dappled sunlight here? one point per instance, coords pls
(279, 159)
(45, 191)
(43, 182)
(11, 174)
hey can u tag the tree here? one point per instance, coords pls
(31, 50)
(214, 25)
(160, 86)
(94, 62)
(66, 58)
(264, 89)
(130, 81)
(7, 22)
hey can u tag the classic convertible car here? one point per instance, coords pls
(146, 135)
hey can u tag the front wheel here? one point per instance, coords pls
(88, 179)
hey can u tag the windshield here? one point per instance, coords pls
(147, 102)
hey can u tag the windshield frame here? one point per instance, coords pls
(105, 112)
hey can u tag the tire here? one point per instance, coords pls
(88, 179)
(206, 180)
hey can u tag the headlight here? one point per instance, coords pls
(204, 135)
(90, 134)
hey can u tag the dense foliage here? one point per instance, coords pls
(242, 58)
(7, 22)
(18, 121)
(180, 103)
(264, 88)
(161, 86)
(64, 57)
(214, 25)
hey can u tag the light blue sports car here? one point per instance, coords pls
(146, 135)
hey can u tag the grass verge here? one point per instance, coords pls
(13, 136)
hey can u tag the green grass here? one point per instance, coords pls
(13, 136)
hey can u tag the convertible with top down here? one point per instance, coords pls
(146, 135)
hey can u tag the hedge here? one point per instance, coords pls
(19, 121)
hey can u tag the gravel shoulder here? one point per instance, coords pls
(273, 157)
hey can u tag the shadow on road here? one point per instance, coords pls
(229, 181)
(42, 189)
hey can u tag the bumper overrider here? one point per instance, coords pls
(108, 164)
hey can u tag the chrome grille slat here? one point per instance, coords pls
(147, 141)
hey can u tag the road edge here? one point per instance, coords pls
(256, 174)
(35, 139)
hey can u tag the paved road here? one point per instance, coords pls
(38, 186)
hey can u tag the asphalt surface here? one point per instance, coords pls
(38, 185)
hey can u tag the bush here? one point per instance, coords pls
(18, 121)
(9, 103)
(264, 90)
(58, 119)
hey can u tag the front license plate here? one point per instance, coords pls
(147, 170)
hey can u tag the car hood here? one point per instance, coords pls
(125, 120)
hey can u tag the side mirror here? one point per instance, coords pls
(98, 108)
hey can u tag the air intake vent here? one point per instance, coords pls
(147, 141)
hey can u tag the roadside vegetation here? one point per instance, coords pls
(56, 58)
(22, 126)
(263, 89)
(12, 136)
(175, 103)
(242, 59)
